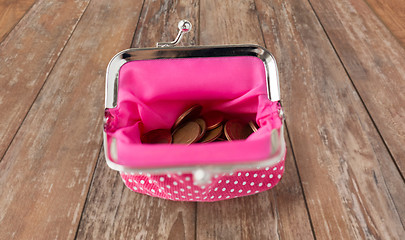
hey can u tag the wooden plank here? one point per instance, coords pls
(46, 172)
(159, 22)
(293, 218)
(345, 176)
(392, 14)
(279, 213)
(27, 56)
(110, 203)
(266, 215)
(114, 212)
(224, 23)
(10, 13)
(375, 62)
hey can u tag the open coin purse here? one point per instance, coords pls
(149, 88)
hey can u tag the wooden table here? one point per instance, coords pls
(342, 77)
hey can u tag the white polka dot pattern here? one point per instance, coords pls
(180, 186)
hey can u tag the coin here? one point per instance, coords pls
(237, 130)
(212, 135)
(190, 128)
(157, 136)
(190, 114)
(253, 126)
(186, 133)
(203, 127)
(213, 119)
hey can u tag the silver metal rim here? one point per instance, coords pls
(273, 92)
(212, 169)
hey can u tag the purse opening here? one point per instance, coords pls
(153, 93)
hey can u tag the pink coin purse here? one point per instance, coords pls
(149, 88)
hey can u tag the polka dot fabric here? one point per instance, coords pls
(180, 187)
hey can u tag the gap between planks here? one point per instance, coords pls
(101, 150)
(12, 15)
(389, 12)
(229, 25)
(357, 91)
(299, 179)
(374, 59)
(44, 82)
(52, 205)
(352, 62)
(88, 190)
(156, 21)
(288, 138)
(40, 79)
(297, 24)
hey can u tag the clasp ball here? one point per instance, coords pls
(184, 25)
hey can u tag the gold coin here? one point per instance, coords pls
(203, 127)
(237, 130)
(157, 136)
(212, 135)
(253, 126)
(187, 133)
(190, 114)
(213, 119)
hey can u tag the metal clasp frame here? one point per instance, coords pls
(201, 174)
(184, 27)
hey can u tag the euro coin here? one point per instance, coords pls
(187, 133)
(212, 135)
(203, 127)
(190, 114)
(237, 130)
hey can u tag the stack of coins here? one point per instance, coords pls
(192, 127)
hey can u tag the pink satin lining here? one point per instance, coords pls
(153, 93)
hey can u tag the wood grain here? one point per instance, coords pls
(293, 217)
(342, 175)
(266, 215)
(113, 211)
(46, 172)
(392, 14)
(159, 20)
(54, 183)
(375, 62)
(279, 213)
(27, 56)
(223, 23)
(10, 13)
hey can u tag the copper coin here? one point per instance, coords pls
(237, 130)
(157, 136)
(212, 135)
(190, 114)
(187, 133)
(253, 126)
(213, 119)
(203, 127)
